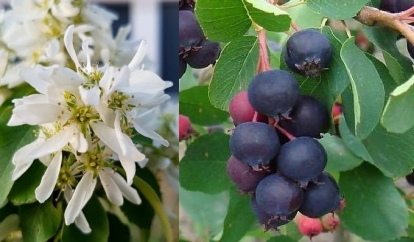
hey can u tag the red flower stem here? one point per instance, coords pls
(294, 26)
(284, 132)
(263, 56)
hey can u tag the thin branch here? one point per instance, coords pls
(371, 16)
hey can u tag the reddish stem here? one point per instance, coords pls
(263, 56)
(295, 26)
(406, 13)
(255, 117)
(284, 132)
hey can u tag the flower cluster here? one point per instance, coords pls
(87, 120)
(32, 32)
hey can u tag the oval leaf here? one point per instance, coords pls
(268, 15)
(340, 157)
(398, 116)
(367, 88)
(234, 70)
(222, 21)
(39, 221)
(374, 208)
(239, 218)
(195, 104)
(203, 168)
(337, 9)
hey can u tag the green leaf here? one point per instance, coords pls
(367, 88)
(403, 239)
(268, 15)
(338, 9)
(374, 209)
(352, 142)
(207, 211)
(398, 116)
(194, 103)
(340, 157)
(400, 66)
(145, 210)
(234, 70)
(281, 238)
(118, 230)
(332, 82)
(23, 190)
(98, 222)
(11, 139)
(8, 225)
(203, 168)
(239, 218)
(392, 153)
(39, 221)
(222, 21)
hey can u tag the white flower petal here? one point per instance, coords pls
(107, 135)
(52, 48)
(45, 189)
(107, 114)
(139, 56)
(90, 96)
(121, 79)
(82, 223)
(54, 143)
(68, 39)
(106, 81)
(119, 134)
(3, 61)
(20, 169)
(34, 114)
(129, 192)
(85, 48)
(30, 75)
(66, 79)
(149, 133)
(79, 142)
(111, 188)
(143, 81)
(76, 203)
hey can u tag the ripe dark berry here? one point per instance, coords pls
(308, 52)
(254, 143)
(270, 222)
(388, 5)
(401, 5)
(182, 66)
(309, 226)
(301, 159)
(186, 5)
(273, 92)
(189, 32)
(279, 195)
(309, 117)
(245, 178)
(410, 178)
(203, 56)
(321, 197)
(185, 129)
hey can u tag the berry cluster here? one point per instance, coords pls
(275, 156)
(194, 48)
(396, 6)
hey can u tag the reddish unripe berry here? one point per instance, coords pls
(309, 226)
(185, 129)
(336, 112)
(240, 109)
(330, 222)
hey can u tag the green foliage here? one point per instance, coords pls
(98, 222)
(374, 208)
(237, 222)
(233, 71)
(204, 166)
(23, 190)
(199, 110)
(9, 144)
(338, 9)
(39, 221)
